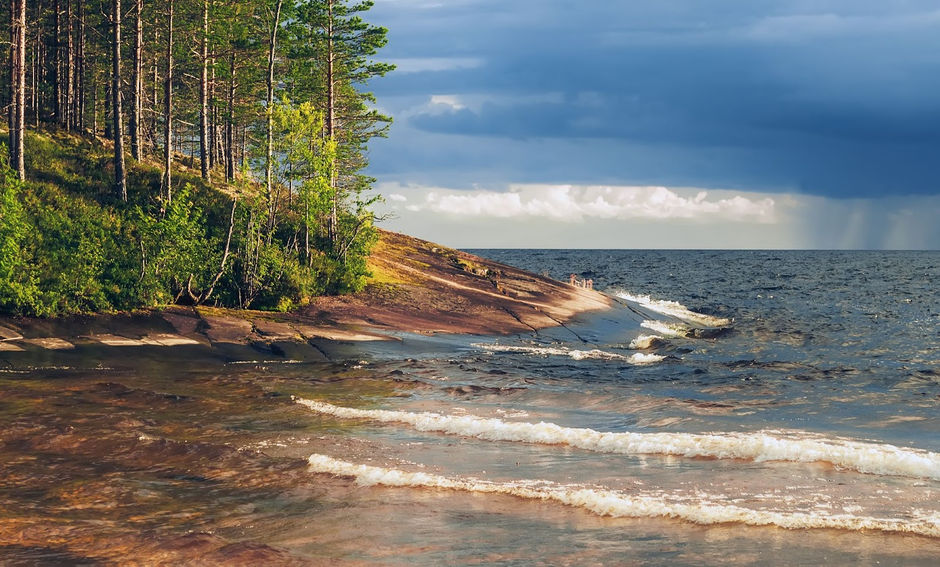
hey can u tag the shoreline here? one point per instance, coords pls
(417, 288)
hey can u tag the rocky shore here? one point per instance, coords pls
(417, 287)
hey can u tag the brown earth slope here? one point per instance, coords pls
(418, 286)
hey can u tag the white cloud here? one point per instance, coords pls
(397, 197)
(568, 203)
(445, 102)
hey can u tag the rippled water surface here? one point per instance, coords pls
(787, 414)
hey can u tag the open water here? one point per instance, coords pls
(742, 408)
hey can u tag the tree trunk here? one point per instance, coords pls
(230, 122)
(269, 161)
(57, 61)
(168, 108)
(69, 69)
(215, 153)
(94, 103)
(79, 111)
(136, 79)
(17, 113)
(108, 114)
(204, 95)
(36, 67)
(120, 179)
(333, 225)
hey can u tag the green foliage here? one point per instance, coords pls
(176, 250)
(18, 289)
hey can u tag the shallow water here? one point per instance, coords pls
(803, 430)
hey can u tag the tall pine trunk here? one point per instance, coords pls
(204, 95)
(168, 108)
(79, 109)
(230, 122)
(333, 225)
(269, 161)
(17, 112)
(136, 80)
(57, 61)
(120, 179)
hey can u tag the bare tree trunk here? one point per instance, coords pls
(269, 161)
(57, 61)
(168, 108)
(214, 153)
(156, 91)
(136, 80)
(333, 225)
(79, 111)
(120, 178)
(94, 104)
(36, 67)
(204, 95)
(69, 69)
(17, 111)
(230, 122)
(108, 111)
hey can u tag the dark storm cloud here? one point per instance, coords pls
(835, 97)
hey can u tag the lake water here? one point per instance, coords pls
(744, 408)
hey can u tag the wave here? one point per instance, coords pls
(644, 342)
(802, 447)
(636, 358)
(698, 509)
(675, 309)
(671, 330)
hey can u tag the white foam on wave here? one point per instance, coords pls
(644, 342)
(595, 354)
(675, 309)
(699, 509)
(871, 458)
(667, 329)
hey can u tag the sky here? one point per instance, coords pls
(664, 124)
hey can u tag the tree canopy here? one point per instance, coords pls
(237, 133)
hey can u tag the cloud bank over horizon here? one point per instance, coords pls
(568, 216)
(567, 203)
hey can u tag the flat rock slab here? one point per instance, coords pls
(8, 334)
(228, 329)
(275, 330)
(51, 343)
(115, 340)
(184, 324)
(168, 339)
(338, 334)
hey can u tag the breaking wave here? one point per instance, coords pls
(870, 458)
(644, 342)
(699, 509)
(667, 329)
(636, 358)
(675, 309)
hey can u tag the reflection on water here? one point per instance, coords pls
(171, 463)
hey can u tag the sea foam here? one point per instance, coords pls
(870, 458)
(644, 342)
(596, 354)
(674, 309)
(700, 509)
